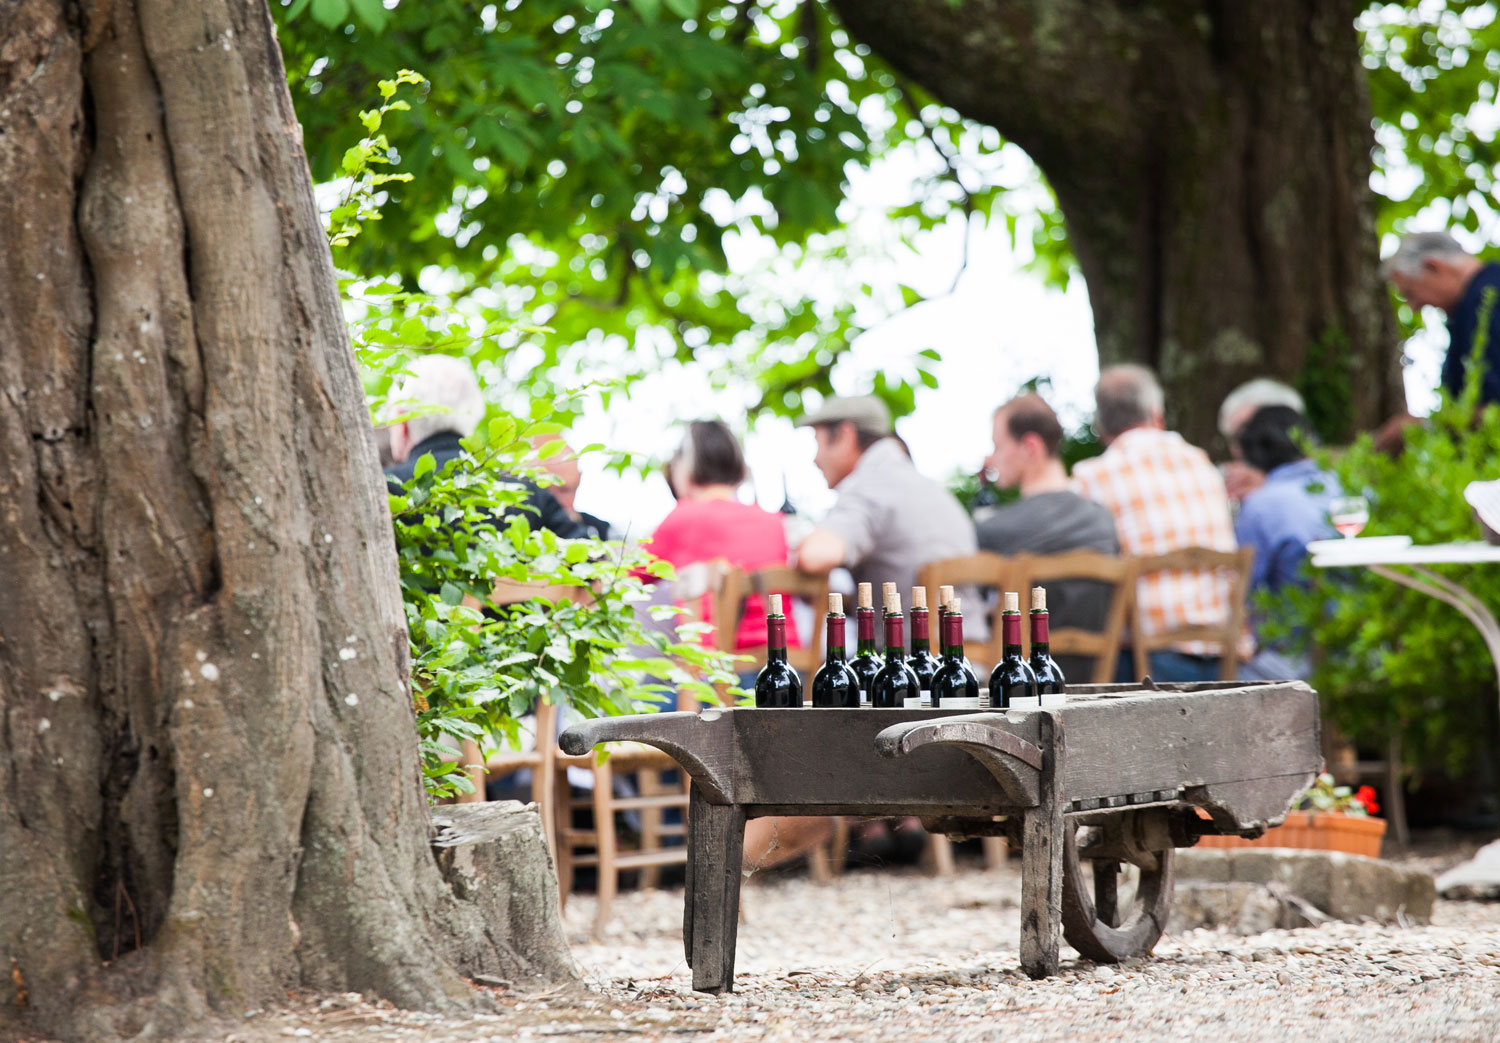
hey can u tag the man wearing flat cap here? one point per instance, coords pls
(889, 520)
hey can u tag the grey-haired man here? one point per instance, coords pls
(1430, 268)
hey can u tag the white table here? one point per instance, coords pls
(1401, 561)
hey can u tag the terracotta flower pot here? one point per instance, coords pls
(1315, 831)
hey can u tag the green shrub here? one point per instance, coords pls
(1389, 660)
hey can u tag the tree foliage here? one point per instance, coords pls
(588, 642)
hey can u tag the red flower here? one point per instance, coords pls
(1366, 796)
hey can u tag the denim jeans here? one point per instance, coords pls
(1167, 665)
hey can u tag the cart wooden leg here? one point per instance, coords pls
(1042, 862)
(716, 840)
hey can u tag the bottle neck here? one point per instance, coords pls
(942, 615)
(1040, 630)
(953, 635)
(921, 635)
(864, 620)
(895, 636)
(776, 639)
(835, 640)
(1010, 633)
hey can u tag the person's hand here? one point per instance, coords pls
(1390, 437)
(1240, 479)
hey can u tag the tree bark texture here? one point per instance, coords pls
(209, 784)
(1211, 159)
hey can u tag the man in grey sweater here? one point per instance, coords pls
(1049, 518)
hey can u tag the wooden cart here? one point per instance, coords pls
(1113, 777)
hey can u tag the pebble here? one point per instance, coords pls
(875, 957)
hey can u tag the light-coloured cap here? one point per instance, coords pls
(893, 602)
(1012, 601)
(866, 598)
(886, 590)
(836, 603)
(866, 412)
(1038, 599)
(955, 606)
(918, 597)
(775, 604)
(945, 595)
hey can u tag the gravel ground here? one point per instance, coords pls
(893, 955)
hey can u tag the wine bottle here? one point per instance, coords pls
(1049, 676)
(946, 598)
(1011, 678)
(922, 662)
(835, 683)
(866, 663)
(954, 680)
(895, 685)
(777, 684)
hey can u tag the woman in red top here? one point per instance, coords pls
(709, 522)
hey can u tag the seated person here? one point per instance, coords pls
(564, 466)
(1050, 517)
(709, 523)
(1279, 519)
(449, 383)
(1240, 477)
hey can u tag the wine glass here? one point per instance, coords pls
(1349, 515)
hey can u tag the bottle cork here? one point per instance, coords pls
(1012, 601)
(955, 606)
(945, 595)
(893, 602)
(1038, 599)
(775, 604)
(866, 600)
(918, 597)
(836, 604)
(886, 590)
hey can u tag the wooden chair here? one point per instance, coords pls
(1235, 565)
(729, 608)
(982, 569)
(539, 759)
(659, 785)
(1031, 570)
(660, 843)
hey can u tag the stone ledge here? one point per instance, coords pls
(1249, 890)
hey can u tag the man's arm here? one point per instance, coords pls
(821, 551)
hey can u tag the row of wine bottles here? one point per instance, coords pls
(917, 678)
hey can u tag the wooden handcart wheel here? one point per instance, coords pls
(1094, 923)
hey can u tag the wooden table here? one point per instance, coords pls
(1115, 776)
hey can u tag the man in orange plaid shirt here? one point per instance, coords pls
(1164, 494)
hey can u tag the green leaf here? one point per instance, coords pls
(425, 465)
(413, 332)
(372, 13)
(683, 8)
(330, 14)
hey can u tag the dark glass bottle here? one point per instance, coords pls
(835, 683)
(1049, 676)
(954, 679)
(777, 684)
(866, 662)
(895, 686)
(1011, 678)
(922, 662)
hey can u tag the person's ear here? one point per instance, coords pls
(401, 443)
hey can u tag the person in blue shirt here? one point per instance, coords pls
(1279, 520)
(1430, 268)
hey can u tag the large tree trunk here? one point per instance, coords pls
(209, 786)
(1212, 161)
